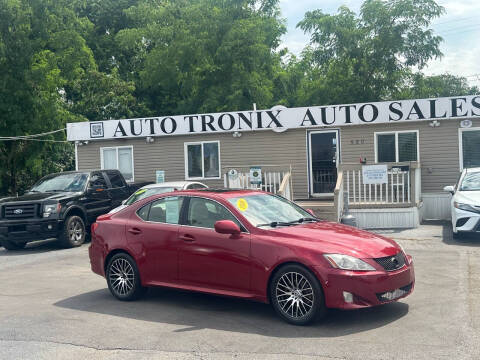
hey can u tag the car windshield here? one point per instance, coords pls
(270, 210)
(144, 193)
(61, 182)
(471, 182)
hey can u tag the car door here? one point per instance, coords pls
(118, 188)
(153, 232)
(207, 258)
(97, 200)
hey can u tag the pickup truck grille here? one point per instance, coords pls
(20, 211)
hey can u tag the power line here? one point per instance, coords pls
(19, 137)
(455, 20)
(471, 27)
(45, 140)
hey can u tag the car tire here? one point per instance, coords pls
(123, 278)
(73, 232)
(296, 295)
(10, 245)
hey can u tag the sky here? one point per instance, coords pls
(458, 27)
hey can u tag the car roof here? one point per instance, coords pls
(473, 170)
(174, 184)
(222, 192)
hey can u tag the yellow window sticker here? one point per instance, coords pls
(242, 204)
(140, 191)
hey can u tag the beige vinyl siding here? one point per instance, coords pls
(439, 149)
(252, 148)
(439, 152)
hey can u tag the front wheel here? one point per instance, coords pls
(296, 295)
(10, 245)
(73, 232)
(123, 278)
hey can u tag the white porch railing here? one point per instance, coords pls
(402, 187)
(275, 181)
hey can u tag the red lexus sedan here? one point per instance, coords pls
(247, 244)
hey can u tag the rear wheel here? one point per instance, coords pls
(296, 295)
(10, 245)
(73, 232)
(123, 278)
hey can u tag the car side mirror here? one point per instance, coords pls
(449, 189)
(311, 212)
(227, 227)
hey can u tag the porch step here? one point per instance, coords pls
(324, 210)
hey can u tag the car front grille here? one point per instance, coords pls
(391, 263)
(19, 211)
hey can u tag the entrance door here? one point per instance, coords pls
(324, 156)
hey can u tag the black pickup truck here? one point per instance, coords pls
(61, 206)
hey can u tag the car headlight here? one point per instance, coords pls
(466, 207)
(346, 262)
(51, 209)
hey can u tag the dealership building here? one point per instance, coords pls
(386, 163)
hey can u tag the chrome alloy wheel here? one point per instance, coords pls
(121, 276)
(294, 294)
(75, 231)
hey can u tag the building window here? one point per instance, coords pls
(396, 146)
(202, 160)
(119, 158)
(469, 148)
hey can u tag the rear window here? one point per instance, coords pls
(115, 179)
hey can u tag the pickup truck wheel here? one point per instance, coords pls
(73, 232)
(10, 245)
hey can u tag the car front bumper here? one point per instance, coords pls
(368, 289)
(21, 231)
(470, 221)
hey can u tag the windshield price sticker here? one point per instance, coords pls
(140, 191)
(242, 204)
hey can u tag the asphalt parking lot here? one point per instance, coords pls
(53, 306)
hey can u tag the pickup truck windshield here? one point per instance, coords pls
(144, 193)
(471, 182)
(61, 182)
(270, 210)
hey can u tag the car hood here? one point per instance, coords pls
(38, 196)
(469, 197)
(329, 237)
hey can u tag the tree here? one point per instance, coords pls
(41, 51)
(369, 56)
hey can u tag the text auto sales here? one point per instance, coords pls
(281, 118)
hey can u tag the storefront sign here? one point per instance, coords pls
(280, 119)
(255, 175)
(160, 176)
(374, 174)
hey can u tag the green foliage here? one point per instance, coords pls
(76, 60)
(369, 56)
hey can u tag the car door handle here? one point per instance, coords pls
(134, 231)
(187, 238)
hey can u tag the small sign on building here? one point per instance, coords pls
(160, 176)
(255, 175)
(374, 174)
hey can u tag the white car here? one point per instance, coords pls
(153, 189)
(466, 202)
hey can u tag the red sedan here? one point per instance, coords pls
(247, 244)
